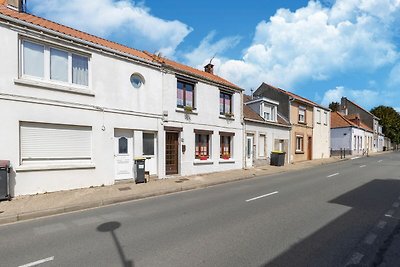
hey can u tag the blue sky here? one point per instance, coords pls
(321, 50)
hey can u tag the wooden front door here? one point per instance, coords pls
(171, 153)
(309, 152)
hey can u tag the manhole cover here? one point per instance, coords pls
(124, 188)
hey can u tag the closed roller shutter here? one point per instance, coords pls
(41, 141)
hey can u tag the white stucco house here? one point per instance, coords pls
(321, 133)
(265, 131)
(76, 110)
(350, 135)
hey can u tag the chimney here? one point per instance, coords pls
(209, 68)
(343, 106)
(18, 5)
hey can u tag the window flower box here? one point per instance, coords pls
(228, 114)
(188, 109)
(203, 158)
(226, 156)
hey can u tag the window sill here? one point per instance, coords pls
(299, 152)
(54, 86)
(203, 162)
(181, 110)
(226, 161)
(302, 122)
(227, 118)
(49, 167)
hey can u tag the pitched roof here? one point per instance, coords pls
(142, 55)
(339, 120)
(50, 25)
(192, 71)
(249, 113)
(295, 96)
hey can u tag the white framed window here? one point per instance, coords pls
(302, 114)
(54, 143)
(226, 145)
(325, 118)
(149, 144)
(318, 116)
(299, 143)
(261, 145)
(49, 63)
(202, 144)
(269, 113)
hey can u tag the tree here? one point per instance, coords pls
(334, 106)
(390, 121)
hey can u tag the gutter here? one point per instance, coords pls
(77, 40)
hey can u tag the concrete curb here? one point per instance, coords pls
(120, 199)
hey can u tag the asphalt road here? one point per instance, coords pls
(313, 217)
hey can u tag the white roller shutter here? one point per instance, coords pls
(41, 141)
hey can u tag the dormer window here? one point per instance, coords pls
(269, 113)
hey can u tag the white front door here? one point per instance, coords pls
(249, 151)
(123, 140)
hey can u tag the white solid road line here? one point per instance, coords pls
(266, 195)
(355, 158)
(329, 176)
(37, 262)
(380, 160)
(362, 166)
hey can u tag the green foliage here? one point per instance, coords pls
(390, 121)
(334, 106)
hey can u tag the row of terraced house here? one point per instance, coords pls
(77, 110)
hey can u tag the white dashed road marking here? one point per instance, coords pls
(355, 158)
(329, 176)
(380, 160)
(370, 239)
(389, 213)
(266, 195)
(355, 259)
(37, 262)
(381, 224)
(362, 166)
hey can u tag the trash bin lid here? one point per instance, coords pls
(4, 163)
(139, 158)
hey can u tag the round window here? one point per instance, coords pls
(136, 80)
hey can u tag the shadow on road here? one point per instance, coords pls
(368, 203)
(111, 227)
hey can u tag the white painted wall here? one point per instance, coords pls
(205, 117)
(114, 104)
(272, 133)
(341, 138)
(321, 134)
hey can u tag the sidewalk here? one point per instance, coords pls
(35, 206)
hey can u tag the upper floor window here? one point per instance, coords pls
(185, 94)
(302, 114)
(318, 116)
(269, 113)
(225, 103)
(50, 63)
(325, 118)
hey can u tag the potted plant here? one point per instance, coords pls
(188, 109)
(226, 156)
(203, 157)
(228, 114)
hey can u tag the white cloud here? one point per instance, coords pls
(365, 98)
(316, 42)
(394, 76)
(207, 49)
(126, 21)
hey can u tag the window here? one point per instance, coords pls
(302, 115)
(202, 146)
(299, 143)
(225, 103)
(53, 64)
(225, 151)
(54, 143)
(325, 118)
(269, 113)
(185, 94)
(261, 145)
(122, 145)
(136, 80)
(318, 116)
(148, 144)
